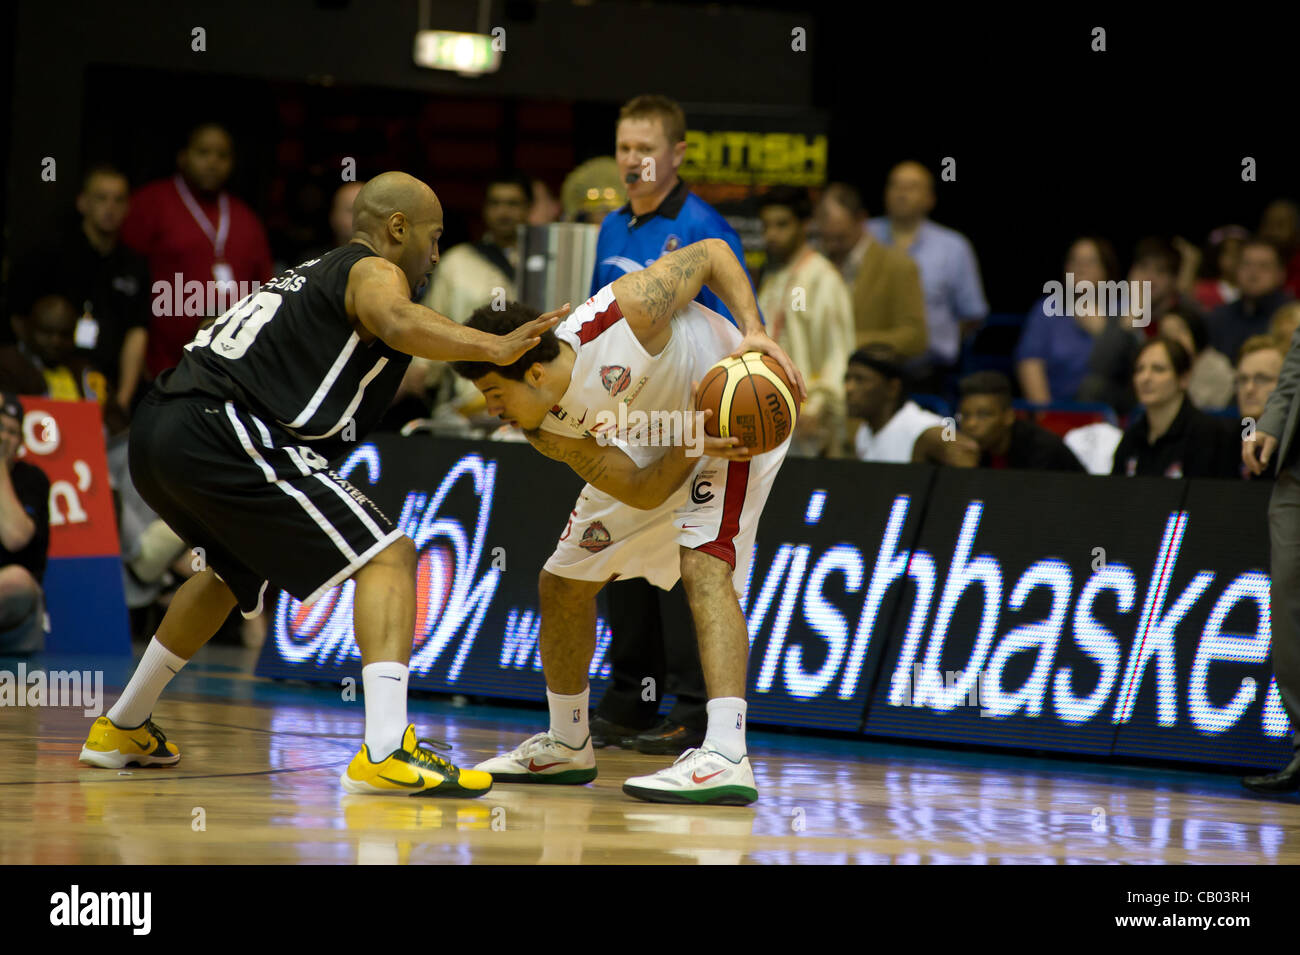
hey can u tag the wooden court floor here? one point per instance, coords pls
(258, 783)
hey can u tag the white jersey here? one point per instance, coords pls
(613, 371)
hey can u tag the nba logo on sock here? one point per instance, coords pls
(739, 718)
(575, 715)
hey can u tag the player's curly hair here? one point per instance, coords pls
(503, 322)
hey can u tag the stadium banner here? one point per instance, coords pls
(735, 153)
(1054, 612)
(84, 596)
(1085, 614)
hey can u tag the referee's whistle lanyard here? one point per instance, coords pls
(221, 270)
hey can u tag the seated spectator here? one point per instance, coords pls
(840, 223)
(1260, 276)
(108, 282)
(1172, 438)
(950, 273)
(1280, 224)
(190, 228)
(1284, 322)
(1218, 286)
(341, 212)
(24, 538)
(149, 546)
(477, 273)
(1053, 356)
(46, 361)
(874, 391)
(1157, 261)
(431, 397)
(984, 413)
(1212, 383)
(809, 314)
(1258, 369)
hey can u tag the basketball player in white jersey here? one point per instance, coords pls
(647, 511)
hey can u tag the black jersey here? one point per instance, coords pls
(288, 352)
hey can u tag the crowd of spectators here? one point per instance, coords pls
(880, 313)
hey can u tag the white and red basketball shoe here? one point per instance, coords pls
(543, 759)
(702, 776)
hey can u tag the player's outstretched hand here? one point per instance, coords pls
(1265, 444)
(762, 342)
(513, 346)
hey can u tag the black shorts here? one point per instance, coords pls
(267, 510)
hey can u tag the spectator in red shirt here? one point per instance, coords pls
(190, 229)
(1223, 250)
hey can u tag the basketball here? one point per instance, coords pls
(751, 399)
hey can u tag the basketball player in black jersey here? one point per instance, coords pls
(233, 447)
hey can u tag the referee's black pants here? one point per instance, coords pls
(652, 635)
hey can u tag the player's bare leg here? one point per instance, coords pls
(567, 639)
(719, 624)
(126, 734)
(383, 610)
(197, 611)
(383, 617)
(718, 772)
(568, 631)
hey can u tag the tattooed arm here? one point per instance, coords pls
(650, 297)
(608, 469)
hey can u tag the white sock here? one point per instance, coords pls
(569, 717)
(726, 732)
(157, 667)
(384, 685)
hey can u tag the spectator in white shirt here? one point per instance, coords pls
(894, 428)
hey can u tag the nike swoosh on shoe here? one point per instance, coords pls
(697, 779)
(534, 768)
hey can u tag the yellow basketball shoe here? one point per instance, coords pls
(413, 770)
(110, 746)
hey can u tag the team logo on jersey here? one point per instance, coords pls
(671, 244)
(615, 378)
(595, 538)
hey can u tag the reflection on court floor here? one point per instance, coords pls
(259, 783)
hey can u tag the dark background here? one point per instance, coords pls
(1051, 140)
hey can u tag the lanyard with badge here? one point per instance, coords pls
(86, 334)
(221, 270)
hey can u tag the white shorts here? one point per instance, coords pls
(716, 511)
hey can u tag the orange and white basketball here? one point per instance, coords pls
(750, 399)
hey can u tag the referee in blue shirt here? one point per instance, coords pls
(653, 635)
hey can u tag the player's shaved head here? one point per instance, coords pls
(390, 193)
(401, 219)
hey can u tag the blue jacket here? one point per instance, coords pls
(628, 242)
